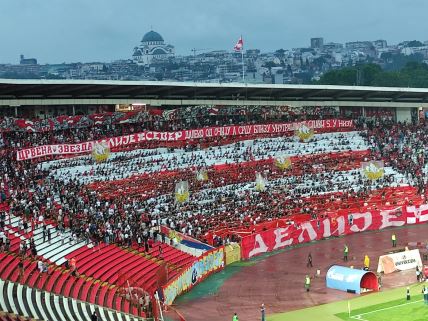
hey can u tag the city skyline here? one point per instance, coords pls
(57, 31)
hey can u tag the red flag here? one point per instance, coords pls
(213, 111)
(25, 124)
(239, 45)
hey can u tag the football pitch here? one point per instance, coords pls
(398, 310)
(389, 305)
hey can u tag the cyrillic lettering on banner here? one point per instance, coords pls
(282, 238)
(339, 230)
(183, 135)
(309, 229)
(367, 218)
(417, 215)
(392, 218)
(259, 246)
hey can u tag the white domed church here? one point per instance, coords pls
(152, 47)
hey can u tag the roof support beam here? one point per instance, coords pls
(195, 102)
(105, 89)
(63, 90)
(15, 91)
(313, 93)
(370, 94)
(342, 94)
(398, 95)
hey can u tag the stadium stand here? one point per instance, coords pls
(79, 228)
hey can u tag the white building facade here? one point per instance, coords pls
(152, 47)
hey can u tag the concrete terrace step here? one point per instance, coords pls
(58, 247)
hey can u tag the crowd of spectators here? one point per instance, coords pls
(325, 171)
(404, 146)
(122, 165)
(43, 132)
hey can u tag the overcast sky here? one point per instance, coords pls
(55, 31)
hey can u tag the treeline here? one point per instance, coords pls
(413, 74)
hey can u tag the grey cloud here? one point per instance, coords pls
(105, 30)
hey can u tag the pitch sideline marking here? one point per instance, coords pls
(359, 316)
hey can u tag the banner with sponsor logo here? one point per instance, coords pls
(191, 275)
(401, 261)
(182, 135)
(280, 237)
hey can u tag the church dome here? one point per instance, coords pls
(152, 36)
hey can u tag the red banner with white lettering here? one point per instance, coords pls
(277, 238)
(182, 135)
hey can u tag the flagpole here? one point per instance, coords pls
(240, 47)
(243, 66)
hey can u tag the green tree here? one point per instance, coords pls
(345, 76)
(280, 53)
(412, 74)
(369, 73)
(388, 79)
(398, 61)
(414, 43)
(269, 64)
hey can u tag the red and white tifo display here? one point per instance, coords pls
(281, 237)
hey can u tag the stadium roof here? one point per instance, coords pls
(100, 89)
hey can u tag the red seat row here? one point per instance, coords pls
(61, 282)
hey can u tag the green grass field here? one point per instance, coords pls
(397, 310)
(389, 305)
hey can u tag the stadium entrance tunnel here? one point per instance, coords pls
(351, 280)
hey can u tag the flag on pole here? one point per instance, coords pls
(373, 170)
(239, 45)
(260, 182)
(182, 191)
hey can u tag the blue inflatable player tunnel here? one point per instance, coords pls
(351, 280)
